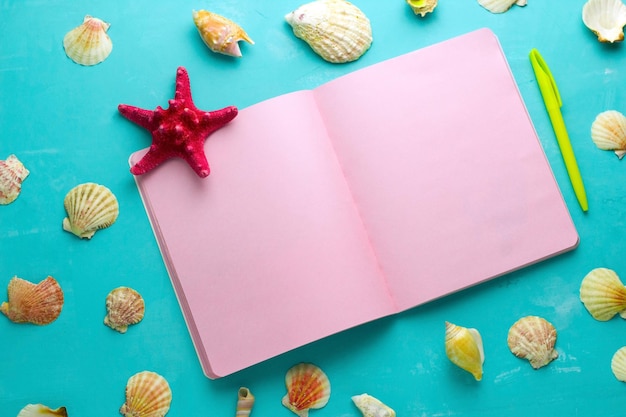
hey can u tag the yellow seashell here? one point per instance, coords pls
(618, 364)
(33, 303)
(606, 19)
(40, 410)
(336, 30)
(147, 395)
(89, 207)
(88, 43)
(603, 294)
(245, 402)
(220, 34)
(500, 6)
(422, 7)
(533, 338)
(372, 407)
(125, 306)
(308, 388)
(12, 174)
(464, 348)
(608, 132)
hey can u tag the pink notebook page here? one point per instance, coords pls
(372, 194)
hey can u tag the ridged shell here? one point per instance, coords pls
(500, 6)
(40, 410)
(608, 132)
(88, 43)
(422, 7)
(33, 303)
(89, 207)
(464, 348)
(308, 388)
(336, 30)
(605, 18)
(147, 395)
(372, 407)
(219, 33)
(245, 402)
(12, 174)
(618, 364)
(533, 338)
(603, 294)
(125, 306)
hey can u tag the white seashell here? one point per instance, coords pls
(12, 174)
(372, 407)
(88, 43)
(147, 395)
(422, 7)
(500, 6)
(618, 364)
(605, 18)
(464, 348)
(603, 294)
(245, 402)
(89, 207)
(219, 33)
(336, 30)
(40, 410)
(608, 132)
(533, 338)
(125, 306)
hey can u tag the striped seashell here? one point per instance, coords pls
(88, 44)
(603, 294)
(533, 338)
(464, 348)
(40, 410)
(308, 388)
(618, 364)
(125, 306)
(147, 395)
(245, 402)
(89, 207)
(33, 303)
(12, 174)
(608, 132)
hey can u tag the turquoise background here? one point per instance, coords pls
(61, 120)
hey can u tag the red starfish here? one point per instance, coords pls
(179, 130)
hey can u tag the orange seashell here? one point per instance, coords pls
(147, 395)
(220, 34)
(33, 303)
(125, 306)
(307, 387)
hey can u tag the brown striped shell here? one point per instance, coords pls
(147, 395)
(307, 387)
(125, 306)
(245, 402)
(89, 207)
(33, 303)
(533, 338)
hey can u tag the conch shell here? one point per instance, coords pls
(372, 407)
(606, 19)
(422, 7)
(33, 303)
(89, 207)
(12, 174)
(336, 30)
(220, 34)
(88, 44)
(464, 348)
(603, 294)
(245, 402)
(608, 132)
(125, 306)
(500, 6)
(147, 395)
(533, 338)
(308, 388)
(40, 410)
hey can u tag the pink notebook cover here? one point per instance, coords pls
(376, 192)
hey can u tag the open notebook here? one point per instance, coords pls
(371, 194)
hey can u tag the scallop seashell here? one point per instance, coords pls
(500, 6)
(33, 303)
(89, 207)
(12, 174)
(147, 395)
(464, 348)
(608, 132)
(125, 306)
(603, 294)
(605, 18)
(220, 34)
(618, 364)
(40, 410)
(372, 407)
(88, 44)
(422, 7)
(336, 30)
(308, 388)
(533, 338)
(245, 402)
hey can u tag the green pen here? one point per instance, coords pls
(552, 100)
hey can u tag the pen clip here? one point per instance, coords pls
(544, 77)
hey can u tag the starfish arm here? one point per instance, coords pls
(143, 118)
(183, 86)
(153, 158)
(196, 158)
(214, 120)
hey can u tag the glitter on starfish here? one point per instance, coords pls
(178, 131)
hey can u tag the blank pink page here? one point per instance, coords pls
(445, 167)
